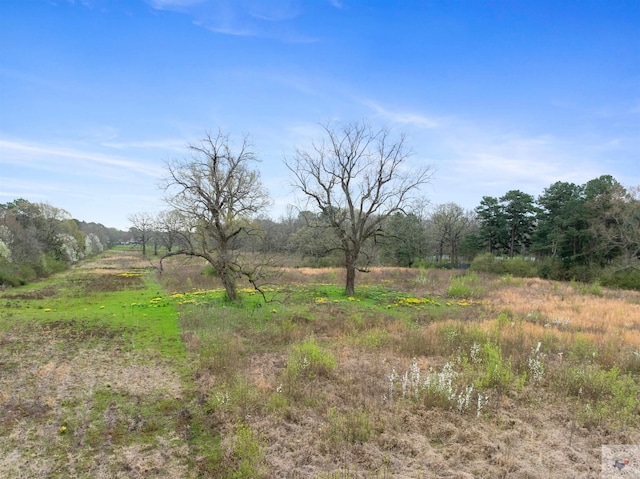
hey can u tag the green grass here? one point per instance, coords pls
(142, 318)
(102, 369)
(109, 375)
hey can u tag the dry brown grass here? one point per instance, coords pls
(558, 308)
(113, 262)
(50, 389)
(339, 424)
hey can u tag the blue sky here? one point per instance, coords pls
(96, 95)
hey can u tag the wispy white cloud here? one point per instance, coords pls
(248, 18)
(91, 185)
(72, 161)
(34, 190)
(402, 117)
(174, 4)
(169, 144)
(482, 162)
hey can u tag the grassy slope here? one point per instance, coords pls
(92, 375)
(105, 374)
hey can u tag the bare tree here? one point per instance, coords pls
(618, 224)
(448, 225)
(217, 193)
(356, 177)
(168, 225)
(142, 229)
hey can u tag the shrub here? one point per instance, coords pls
(584, 273)
(524, 268)
(497, 373)
(587, 288)
(488, 263)
(352, 427)
(582, 350)
(550, 268)
(465, 286)
(247, 454)
(591, 382)
(627, 278)
(603, 395)
(309, 360)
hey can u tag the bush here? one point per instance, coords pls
(465, 286)
(626, 278)
(488, 263)
(498, 374)
(524, 268)
(550, 268)
(12, 274)
(307, 359)
(584, 273)
(247, 454)
(604, 395)
(518, 266)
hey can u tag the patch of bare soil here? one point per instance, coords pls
(104, 283)
(50, 390)
(113, 262)
(75, 329)
(528, 436)
(42, 293)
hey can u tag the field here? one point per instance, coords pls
(111, 371)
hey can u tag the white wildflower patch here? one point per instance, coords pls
(535, 364)
(433, 386)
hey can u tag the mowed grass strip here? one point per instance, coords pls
(92, 378)
(106, 373)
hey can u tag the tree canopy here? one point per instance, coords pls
(356, 177)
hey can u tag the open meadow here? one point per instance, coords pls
(112, 371)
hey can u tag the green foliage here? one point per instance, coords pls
(407, 241)
(352, 427)
(574, 232)
(465, 286)
(603, 395)
(12, 274)
(38, 240)
(209, 270)
(309, 360)
(247, 454)
(488, 263)
(521, 267)
(497, 372)
(582, 350)
(550, 268)
(626, 278)
(517, 266)
(587, 288)
(373, 338)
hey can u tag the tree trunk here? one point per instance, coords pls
(224, 271)
(228, 281)
(512, 243)
(350, 265)
(351, 280)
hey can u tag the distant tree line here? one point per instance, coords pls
(362, 208)
(37, 239)
(582, 232)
